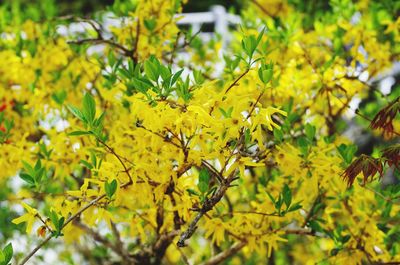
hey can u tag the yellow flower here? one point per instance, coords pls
(29, 217)
(265, 117)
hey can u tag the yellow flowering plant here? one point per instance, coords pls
(122, 152)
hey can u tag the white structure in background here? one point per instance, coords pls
(217, 16)
(222, 20)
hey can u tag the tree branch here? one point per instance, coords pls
(225, 254)
(69, 220)
(207, 206)
(111, 150)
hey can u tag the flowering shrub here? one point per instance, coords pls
(121, 151)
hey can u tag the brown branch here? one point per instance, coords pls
(157, 250)
(252, 212)
(310, 212)
(97, 237)
(112, 151)
(69, 220)
(117, 247)
(126, 51)
(207, 206)
(118, 241)
(220, 257)
(358, 112)
(213, 171)
(135, 55)
(186, 42)
(237, 80)
(299, 232)
(263, 9)
(177, 219)
(44, 223)
(254, 105)
(232, 85)
(166, 139)
(183, 256)
(174, 48)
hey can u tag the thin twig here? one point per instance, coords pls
(111, 150)
(125, 50)
(135, 54)
(237, 80)
(263, 9)
(226, 254)
(69, 220)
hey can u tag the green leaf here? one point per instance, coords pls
(198, 77)
(259, 37)
(151, 70)
(267, 75)
(60, 223)
(175, 77)
(315, 226)
(303, 143)
(271, 198)
(150, 24)
(347, 152)
(295, 207)
(278, 135)
(212, 190)
(345, 239)
(142, 85)
(99, 121)
(310, 131)
(192, 192)
(8, 124)
(28, 167)
(89, 108)
(335, 251)
(265, 72)
(76, 112)
(203, 187)
(39, 174)
(38, 165)
(165, 72)
(247, 136)
(27, 178)
(110, 188)
(93, 158)
(227, 113)
(59, 97)
(287, 195)
(86, 164)
(54, 219)
(78, 133)
(8, 253)
(204, 179)
(204, 176)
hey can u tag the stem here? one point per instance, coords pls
(126, 170)
(207, 206)
(237, 80)
(225, 254)
(69, 220)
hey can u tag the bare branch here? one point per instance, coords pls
(112, 151)
(226, 254)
